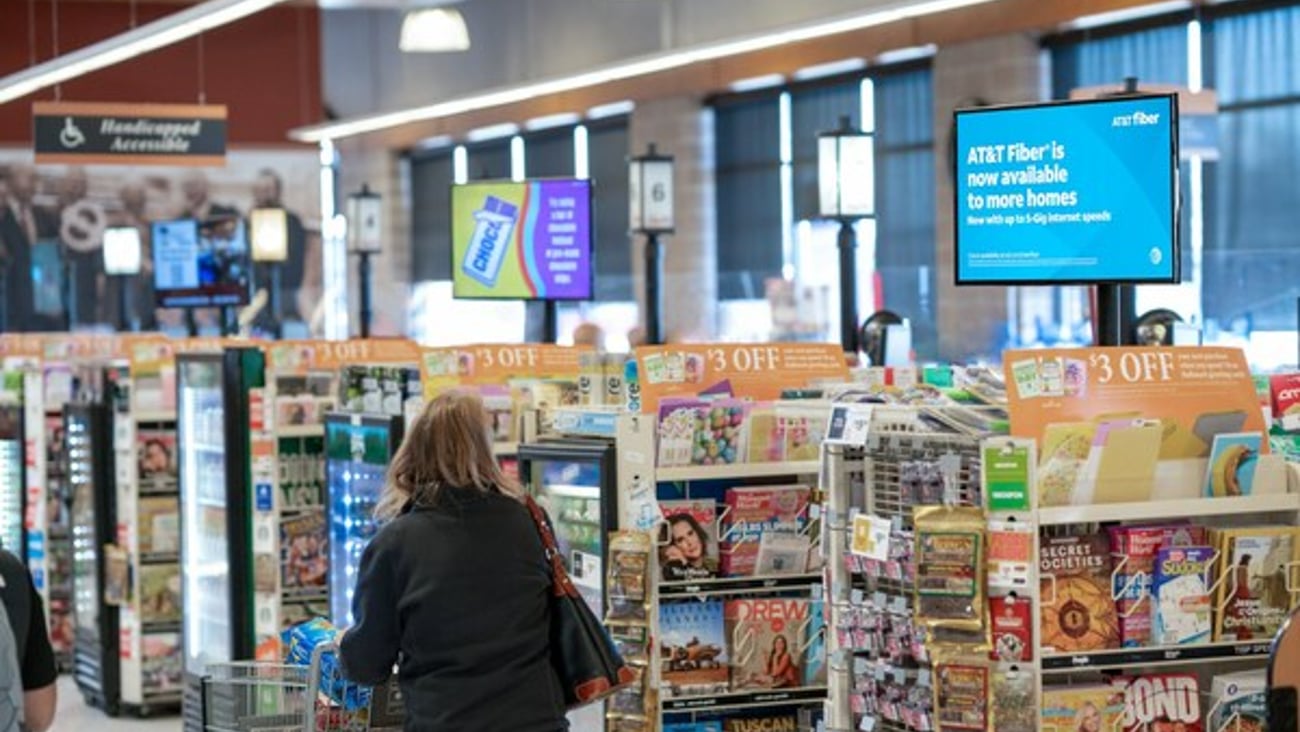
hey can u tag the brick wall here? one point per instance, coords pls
(999, 70)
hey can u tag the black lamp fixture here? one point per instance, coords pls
(846, 191)
(650, 212)
(365, 239)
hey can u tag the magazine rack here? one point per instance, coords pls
(861, 477)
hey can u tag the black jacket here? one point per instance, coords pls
(457, 596)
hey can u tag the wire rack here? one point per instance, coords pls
(899, 437)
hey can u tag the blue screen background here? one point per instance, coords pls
(1127, 171)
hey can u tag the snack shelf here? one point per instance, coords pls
(1157, 510)
(737, 585)
(736, 471)
(1155, 656)
(301, 430)
(745, 699)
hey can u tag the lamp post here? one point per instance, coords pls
(365, 239)
(650, 212)
(269, 240)
(846, 193)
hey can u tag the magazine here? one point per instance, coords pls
(767, 642)
(159, 525)
(693, 649)
(752, 512)
(162, 665)
(1254, 596)
(690, 550)
(304, 554)
(160, 594)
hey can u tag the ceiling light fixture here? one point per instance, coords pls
(434, 30)
(626, 70)
(145, 38)
(830, 68)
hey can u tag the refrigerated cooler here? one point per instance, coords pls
(358, 449)
(213, 426)
(88, 430)
(13, 480)
(575, 480)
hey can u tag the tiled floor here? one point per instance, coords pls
(75, 716)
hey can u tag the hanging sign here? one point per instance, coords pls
(758, 371)
(78, 133)
(486, 364)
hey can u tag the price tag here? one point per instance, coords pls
(871, 537)
(1006, 475)
(849, 424)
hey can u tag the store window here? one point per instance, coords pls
(1251, 216)
(748, 178)
(903, 111)
(1156, 52)
(431, 179)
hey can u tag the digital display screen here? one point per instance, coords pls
(1078, 192)
(200, 264)
(522, 241)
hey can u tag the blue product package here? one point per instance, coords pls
(300, 643)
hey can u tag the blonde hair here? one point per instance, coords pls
(448, 447)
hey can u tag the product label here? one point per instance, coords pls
(1006, 478)
(945, 564)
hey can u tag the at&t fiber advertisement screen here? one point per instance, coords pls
(1079, 192)
(522, 241)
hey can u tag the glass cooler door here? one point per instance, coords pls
(12, 480)
(205, 546)
(357, 452)
(574, 482)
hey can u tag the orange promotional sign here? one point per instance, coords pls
(22, 344)
(300, 357)
(488, 364)
(1123, 424)
(758, 371)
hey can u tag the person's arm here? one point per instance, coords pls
(40, 672)
(369, 648)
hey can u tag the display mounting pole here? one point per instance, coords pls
(276, 326)
(1106, 314)
(550, 321)
(191, 323)
(363, 274)
(848, 244)
(124, 302)
(654, 296)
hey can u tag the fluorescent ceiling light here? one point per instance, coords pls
(492, 132)
(149, 37)
(754, 83)
(1099, 20)
(903, 55)
(613, 109)
(832, 68)
(629, 69)
(551, 120)
(434, 143)
(434, 30)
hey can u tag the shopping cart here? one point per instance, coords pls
(255, 696)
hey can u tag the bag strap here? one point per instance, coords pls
(561, 584)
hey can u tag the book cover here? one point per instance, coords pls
(1233, 460)
(767, 723)
(814, 655)
(1133, 549)
(1078, 613)
(767, 642)
(161, 664)
(691, 550)
(1083, 708)
(156, 455)
(693, 649)
(1163, 702)
(1254, 597)
(753, 511)
(159, 525)
(1241, 695)
(1180, 591)
(304, 554)
(160, 593)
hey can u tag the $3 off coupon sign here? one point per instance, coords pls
(758, 371)
(1194, 393)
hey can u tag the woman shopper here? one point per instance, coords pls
(455, 588)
